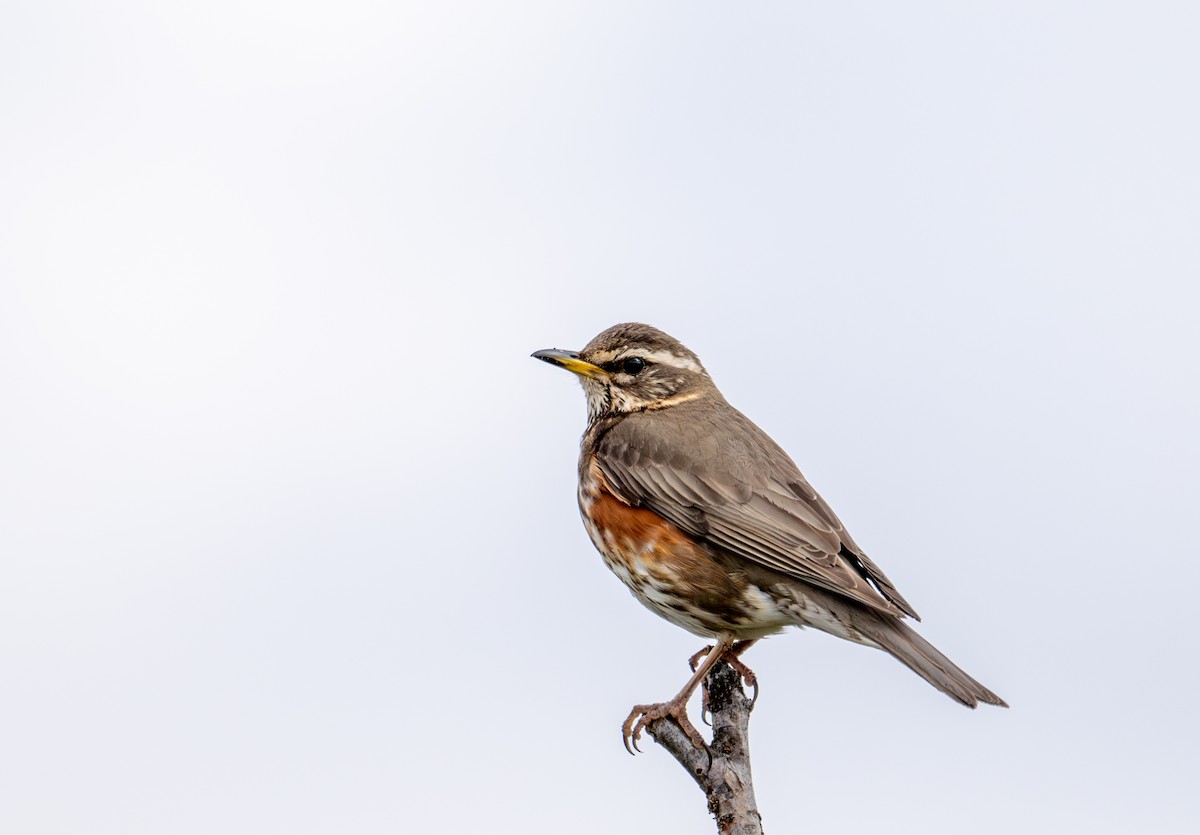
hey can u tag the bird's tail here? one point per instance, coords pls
(920, 656)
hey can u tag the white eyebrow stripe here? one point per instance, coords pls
(673, 360)
(660, 357)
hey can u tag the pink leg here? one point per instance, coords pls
(642, 715)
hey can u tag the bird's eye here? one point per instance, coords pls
(633, 365)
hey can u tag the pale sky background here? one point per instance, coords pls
(288, 536)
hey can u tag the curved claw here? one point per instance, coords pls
(748, 676)
(631, 732)
(643, 715)
(632, 747)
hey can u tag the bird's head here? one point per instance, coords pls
(633, 367)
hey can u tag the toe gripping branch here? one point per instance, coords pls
(721, 769)
(731, 658)
(648, 716)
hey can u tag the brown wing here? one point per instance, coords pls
(708, 469)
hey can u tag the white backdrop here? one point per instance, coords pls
(288, 537)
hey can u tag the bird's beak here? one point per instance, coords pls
(570, 360)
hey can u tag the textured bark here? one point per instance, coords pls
(721, 769)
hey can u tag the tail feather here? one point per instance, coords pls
(920, 656)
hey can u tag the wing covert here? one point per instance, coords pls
(750, 500)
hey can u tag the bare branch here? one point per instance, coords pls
(722, 769)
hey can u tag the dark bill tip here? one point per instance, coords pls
(570, 360)
(554, 355)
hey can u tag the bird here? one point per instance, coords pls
(712, 526)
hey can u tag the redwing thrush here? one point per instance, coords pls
(711, 525)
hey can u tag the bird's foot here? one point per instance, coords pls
(731, 658)
(748, 676)
(643, 715)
